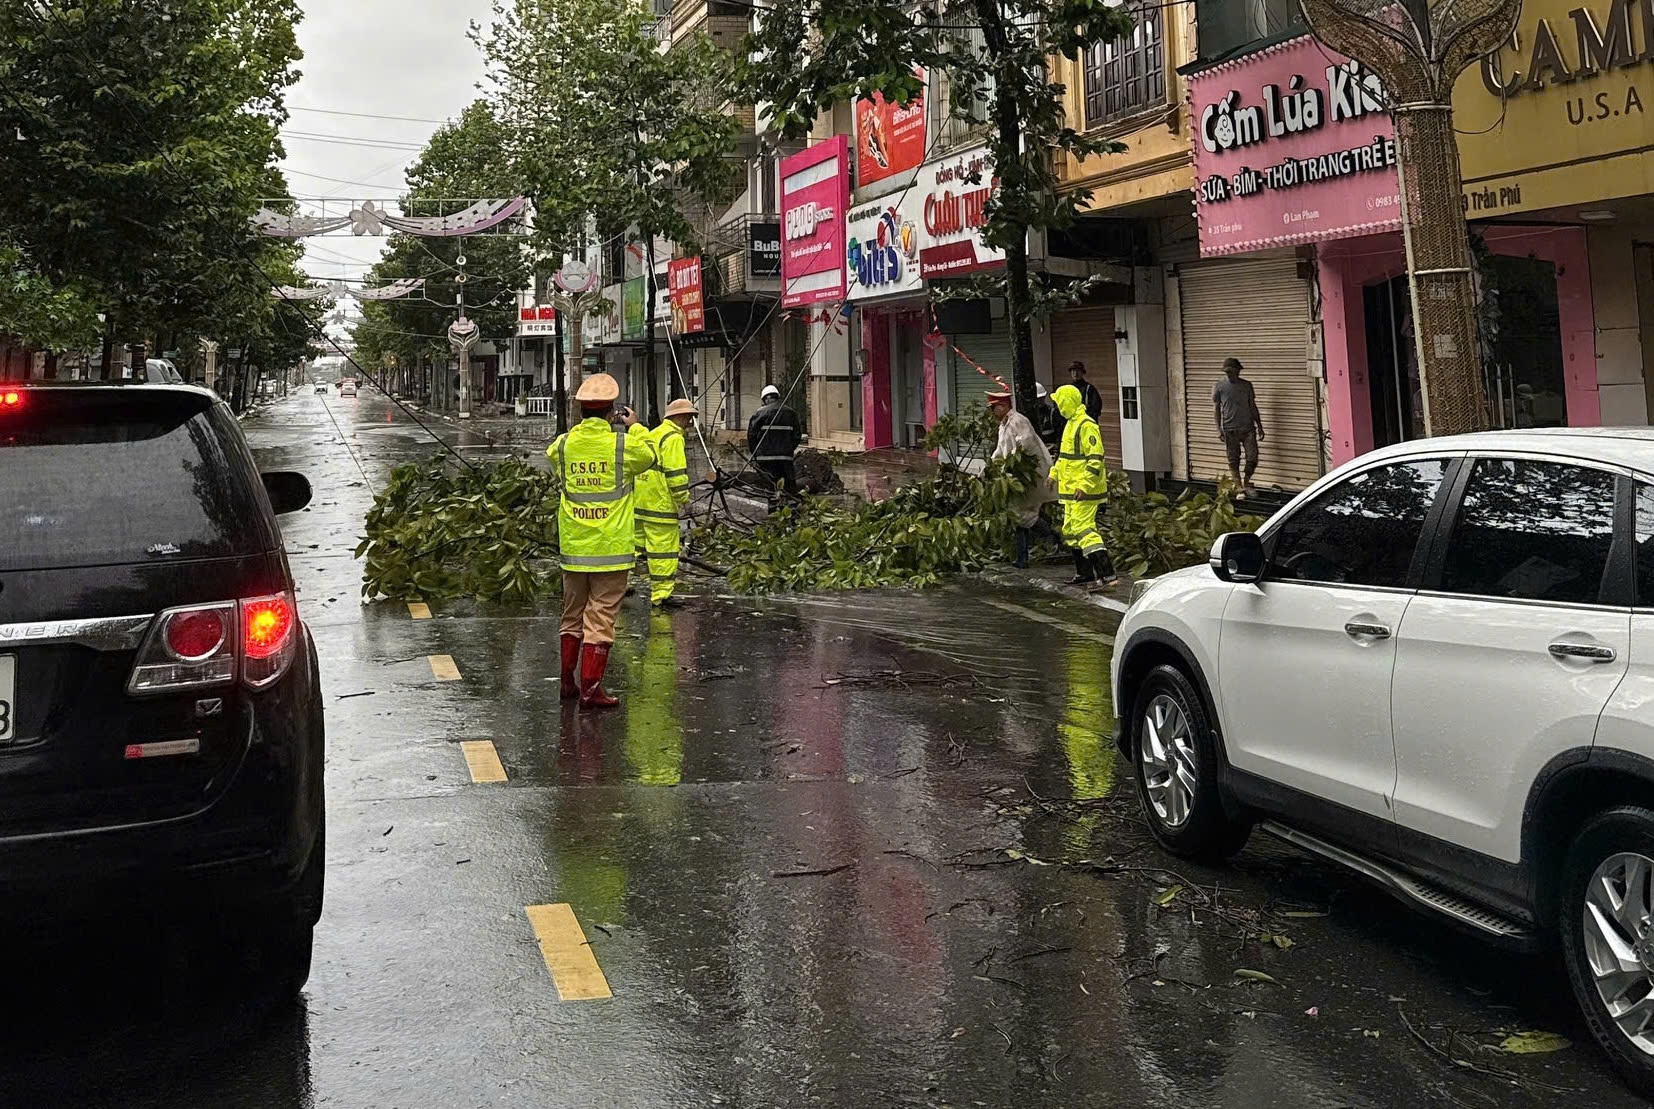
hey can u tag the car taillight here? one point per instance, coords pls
(201, 645)
(267, 638)
(187, 648)
(11, 398)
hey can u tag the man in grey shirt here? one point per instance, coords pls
(1239, 423)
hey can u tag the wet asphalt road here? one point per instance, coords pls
(991, 932)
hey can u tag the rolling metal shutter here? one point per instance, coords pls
(991, 352)
(1087, 335)
(1257, 310)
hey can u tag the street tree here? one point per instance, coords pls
(808, 55)
(608, 131)
(462, 161)
(136, 138)
(38, 311)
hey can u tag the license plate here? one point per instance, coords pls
(8, 697)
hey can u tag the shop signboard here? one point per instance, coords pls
(1559, 116)
(815, 190)
(683, 279)
(631, 316)
(536, 320)
(890, 138)
(1293, 144)
(882, 252)
(764, 249)
(953, 194)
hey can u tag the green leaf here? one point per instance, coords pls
(1255, 976)
(1533, 1043)
(1167, 896)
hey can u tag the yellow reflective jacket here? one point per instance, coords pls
(665, 489)
(1080, 473)
(598, 467)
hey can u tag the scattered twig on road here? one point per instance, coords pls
(821, 872)
(1465, 1064)
(900, 679)
(904, 772)
(1004, 1033)
(911, 855)
(1003, 980)
(348, 696)
(1037, 954)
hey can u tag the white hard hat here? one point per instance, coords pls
(1039, 389)
(769, 391)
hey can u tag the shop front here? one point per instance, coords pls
(1556, 149)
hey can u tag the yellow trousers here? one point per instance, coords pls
(658, 544)
(1079, 526)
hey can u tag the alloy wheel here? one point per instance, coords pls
(1169, 763)
(1619, 943)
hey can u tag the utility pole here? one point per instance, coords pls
(462, 350)
(648, 235)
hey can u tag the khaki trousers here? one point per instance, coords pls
(590, 604)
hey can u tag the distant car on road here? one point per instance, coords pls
(160, 708)
(347, 389)
(1433, 667)
(158, 371)
(321, 387)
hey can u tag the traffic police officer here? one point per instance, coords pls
(598, 465)
(661, 492)
(1082, 483)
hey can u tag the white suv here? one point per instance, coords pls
(1435, 667)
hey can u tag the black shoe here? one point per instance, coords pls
(673, 601)
(1079, 580)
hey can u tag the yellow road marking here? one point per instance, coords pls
(573, 967)
(443, 668)
(483, 761)
(419, 610)
(1071, 629)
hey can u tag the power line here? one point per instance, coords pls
(343, 140)
(367, 115)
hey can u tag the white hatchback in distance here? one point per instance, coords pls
(1435, 667)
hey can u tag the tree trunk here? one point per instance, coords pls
(1009, 124)
(561, 361)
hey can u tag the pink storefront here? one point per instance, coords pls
(1295, 154)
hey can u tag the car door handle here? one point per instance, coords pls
(1356, 630)
(1589, 652)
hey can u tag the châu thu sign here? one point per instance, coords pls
(1292, 145)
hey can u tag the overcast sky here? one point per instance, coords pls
(381, 58)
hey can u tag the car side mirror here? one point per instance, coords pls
(289, 491)
(1237, 557)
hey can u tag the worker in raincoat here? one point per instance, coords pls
(1016, 433)
(661, 493)
(598, 464)
(1082, 484)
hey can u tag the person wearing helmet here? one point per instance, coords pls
(773, 435)
(661, 493)
(597, 464)
(1082, 484)
(1016, 434)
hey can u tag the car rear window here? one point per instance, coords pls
(101, 476)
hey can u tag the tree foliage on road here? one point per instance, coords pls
(136, 138)
(809, 55)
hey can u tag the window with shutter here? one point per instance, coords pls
(1128, 74)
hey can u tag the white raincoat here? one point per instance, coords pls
(1016, 433)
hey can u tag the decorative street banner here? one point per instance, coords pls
(815, 190)
(1293, 145)
(367, 219)
(890, 139)
(631, 318)
(683, 278)
(954, 196)
(608, 332)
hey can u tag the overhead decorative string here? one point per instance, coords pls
(338, 290)
(369, 219)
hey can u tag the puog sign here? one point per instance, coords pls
(1293, 144)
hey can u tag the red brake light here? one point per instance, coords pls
(11, 398)
(266, 624)
(195, 635)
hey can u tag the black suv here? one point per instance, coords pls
(160, 703)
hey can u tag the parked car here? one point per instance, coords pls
(347, 389)
(158, 371)
(1433, 667)
(160, 708)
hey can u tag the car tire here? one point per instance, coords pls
(1613, 855)
(1176, 758)
(282, 949)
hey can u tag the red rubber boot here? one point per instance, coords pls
(571, 663)
(594, 660)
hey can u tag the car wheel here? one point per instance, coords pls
(282, 947)
(1608, 937)
(1177, 769)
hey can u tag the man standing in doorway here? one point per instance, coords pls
(598, 464)
(773, 436)
(1092, 399)
(1240, 425)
